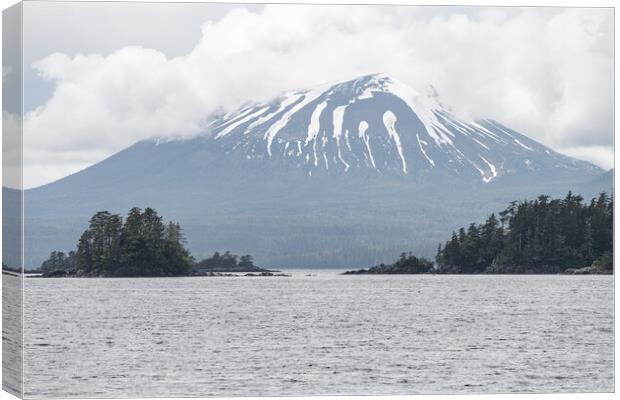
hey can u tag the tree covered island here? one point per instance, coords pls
(140, 246)
(406, 264)
(543, 236)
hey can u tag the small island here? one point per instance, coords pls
(407, 264)
(228, 264)
(141, 246)
(543, 236)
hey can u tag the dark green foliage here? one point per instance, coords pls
(142, 246)
(59, 261)
(605, 262)
(99, 247)
(406, 264)
(246, 261)
(227, 262)
(540, 236)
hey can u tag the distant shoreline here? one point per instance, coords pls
(261, 273)
(290, 274)
(484, 274)
(570, 271)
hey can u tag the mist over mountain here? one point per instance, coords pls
(345, 174)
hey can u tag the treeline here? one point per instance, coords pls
(539, 236)
(227, 262)
(142, 245)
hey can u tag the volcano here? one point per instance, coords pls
(342, 175)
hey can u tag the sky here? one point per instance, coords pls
(102, 76)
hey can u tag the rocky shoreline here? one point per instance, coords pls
(72, 274)
(264, 273)
(591, 270)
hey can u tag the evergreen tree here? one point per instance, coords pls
(246, 261)
(84, 258)
(58, 261)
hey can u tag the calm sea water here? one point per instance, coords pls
(320, 334)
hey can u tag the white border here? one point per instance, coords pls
(543, 3)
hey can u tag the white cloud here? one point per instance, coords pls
(545, 72)
(599, 155)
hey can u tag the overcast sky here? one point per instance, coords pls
(101, 76)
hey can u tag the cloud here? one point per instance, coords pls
(545, 72)
(599, 155)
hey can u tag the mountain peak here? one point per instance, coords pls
(383, 81)
(378, 123)
(376, 77)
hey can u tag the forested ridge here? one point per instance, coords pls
(538, 236)
(542, 236)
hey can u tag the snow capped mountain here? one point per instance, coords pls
(378, 123)
(343, 175)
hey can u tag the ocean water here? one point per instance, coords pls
(317, 335)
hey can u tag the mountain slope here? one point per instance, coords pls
(344, 175)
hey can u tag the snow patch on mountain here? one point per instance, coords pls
(488, 179)
(235, 124)
(422, 143)
(313, 128)
(389, 120)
